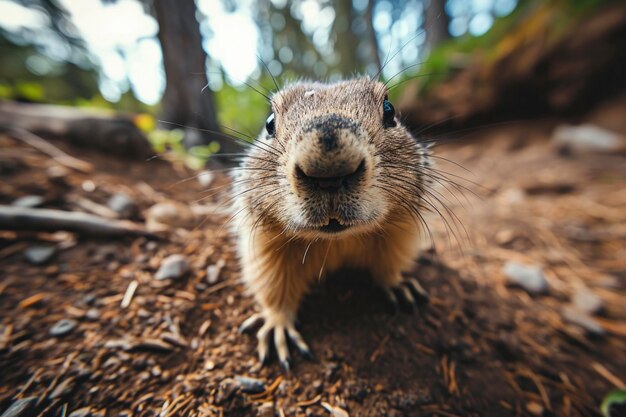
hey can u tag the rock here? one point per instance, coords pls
(93, 314)
(205, 178)
(21, 408)
(40, 254)
(63, 327)
(213, 272)
(587, 301)
(123, 205)
(226, 390)
(529, 278)
(81, 412)
(583, 320)
(29, 201)
(250, 385)
(170, 214)
(172, 267)
(587, 138)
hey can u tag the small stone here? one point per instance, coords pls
(21, 408)
(587, 301)
(81, 412)
(587, 138)
(29, 201)
(92, 314)
(123, 205)
(583, 320)
(40, 255)
(63, 327)
(527, 277)
(89, 299)
(250, 385)
(213, 272)
(172, 267)
(226, 390)
(170, 214)
(205, 178)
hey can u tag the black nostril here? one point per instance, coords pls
(330, 183)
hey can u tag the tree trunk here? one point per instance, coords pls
(185, 102)
(437, 21)
(371, 34)
(346, 42)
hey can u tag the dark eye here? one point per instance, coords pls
(270, 126)
(389, 114)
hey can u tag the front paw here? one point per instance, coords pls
(407, 292)
(282, 327)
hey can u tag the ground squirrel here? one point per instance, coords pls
(334, 180)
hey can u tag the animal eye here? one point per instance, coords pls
(389, 114)
(270, 126)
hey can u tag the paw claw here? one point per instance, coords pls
(421, 296)
(285, 366)
(250, 323)
(277, 335)
(408, 293)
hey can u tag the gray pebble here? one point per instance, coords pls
(39, 255)
(174, 266)
(587, 301)
(581, 319)
(123, 205)
(29, 201)
(250, 385)
(93, 314)
(213, 272)
(527, 277)
(63, 327)
(21, 408)
(587, 138)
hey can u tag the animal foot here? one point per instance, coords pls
(408, 293)
(279, 330)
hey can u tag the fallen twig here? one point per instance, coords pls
(49, 149)
(17, 218)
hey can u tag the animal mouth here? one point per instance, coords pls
(333, 226)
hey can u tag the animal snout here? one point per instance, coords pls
(330, 154)
(343, 176)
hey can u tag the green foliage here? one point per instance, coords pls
(242, 108)
(171, 142)
(614, 404)
(528, 19)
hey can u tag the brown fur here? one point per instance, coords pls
(276, 218)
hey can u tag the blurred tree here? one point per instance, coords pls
(187, 101)
(345, 39)
(437, 22)
(371, 35)
(46, 63)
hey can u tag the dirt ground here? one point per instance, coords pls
(481, 347)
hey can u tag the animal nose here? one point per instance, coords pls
(346, 176)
